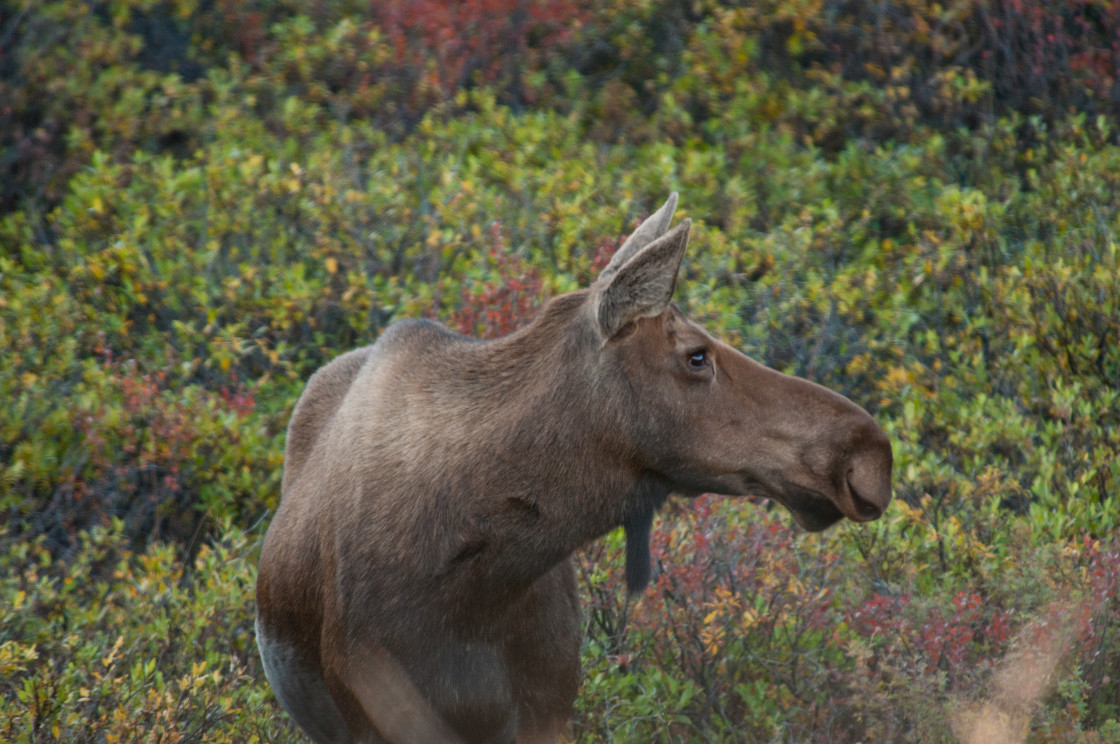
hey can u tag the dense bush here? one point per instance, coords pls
(117, 646)
(915, 204)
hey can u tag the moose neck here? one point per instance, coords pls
(558, 467)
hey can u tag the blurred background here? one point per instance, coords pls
(914, 203)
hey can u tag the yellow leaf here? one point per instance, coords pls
(332, 265)
(108, 660)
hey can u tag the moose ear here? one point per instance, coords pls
(650, 230)
(643, 286)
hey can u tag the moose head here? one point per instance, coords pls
(416, 583)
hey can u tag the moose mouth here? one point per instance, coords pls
(815, 512)
(810, 509)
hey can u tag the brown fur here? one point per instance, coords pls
(418, 571)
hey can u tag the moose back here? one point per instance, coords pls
(416, 583)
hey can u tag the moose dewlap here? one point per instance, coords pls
(417, 585)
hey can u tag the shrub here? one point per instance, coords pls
(912, 204)
(119, 646)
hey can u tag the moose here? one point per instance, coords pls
(417, 583)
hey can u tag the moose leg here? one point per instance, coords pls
(392, 703)
(542, 651)
(301, 690)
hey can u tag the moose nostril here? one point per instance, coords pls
(869, 480)
(865, 508)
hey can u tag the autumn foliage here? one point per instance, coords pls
(914, 203)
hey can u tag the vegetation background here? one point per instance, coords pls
(915, 203)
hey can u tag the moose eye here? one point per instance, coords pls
(698, 359)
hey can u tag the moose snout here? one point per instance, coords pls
(867, 485)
